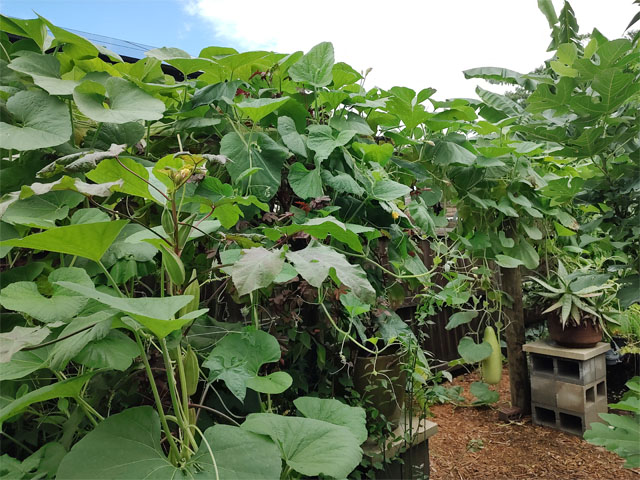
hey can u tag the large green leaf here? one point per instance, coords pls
(179, 59)
(156, 314)
(322, 141)
(322, 227)
(82, 48)
(111, 170)
(257, 268)
(115, 351)
(254, 150)
(18, 338)
(258, 108)
(500, 75)
(334, 411)
(45, 71)
(290, 136)
(40, 211)
(273, 384)
(546, 98)
(127, 102)
(310, 447)
(305, 183)
(388, 190)
(63, 389)
(80, 331)
(230, 447)
(473, 352)
(499, 102)
(315, 66)
(407, 107)
(620, 436)
(316, 261)
(126, 445)
(33, 28)
(447, 153)
(44, 122)
(63, 304)
(460, 318)
(23, 363)
(86, 240)
(237, 358)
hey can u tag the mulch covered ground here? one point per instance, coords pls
(510, 451)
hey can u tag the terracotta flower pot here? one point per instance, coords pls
(585, 335)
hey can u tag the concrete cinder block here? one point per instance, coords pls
(543, 390)
(600, 366)
(544, 415)
(570, 396)
(541, 365)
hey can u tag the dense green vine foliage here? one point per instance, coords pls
(189, 258)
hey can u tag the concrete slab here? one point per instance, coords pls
(402, 437)
(547, 347)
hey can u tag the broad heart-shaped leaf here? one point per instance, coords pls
(115, 351)
(310, 447)
(239, 455)
(24, 363)
(127, 102)
(316, 261)
(66, 388)
(460, 318)
(334, 411)
(89, 240)
(388, 190)
(621, 439)
(63, 304)
(44, 120)
(506, 261)
(373, 152)
(290, 136)
(258, 108)
(33, 28)
(41, 211)
(110, 170)
(321, 227)
(447, 153)
(483, 393)
(314, 67)
(254, 150)
(472, 352)
(273, 384)
(156, 314)
(237, 358)
(322, 141)
(18, 338)
(80, 331)
(126, 445)
(257, 268)
(45, 71)
(305, 183)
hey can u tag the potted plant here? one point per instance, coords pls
(382, 340)
(573, 320)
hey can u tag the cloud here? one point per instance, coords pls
(410, 43)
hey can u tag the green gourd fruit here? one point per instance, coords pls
(492, 365)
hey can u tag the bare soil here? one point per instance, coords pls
(512, 450)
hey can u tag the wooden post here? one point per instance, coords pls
(514, 333)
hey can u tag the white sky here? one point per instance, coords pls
(416, 44)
